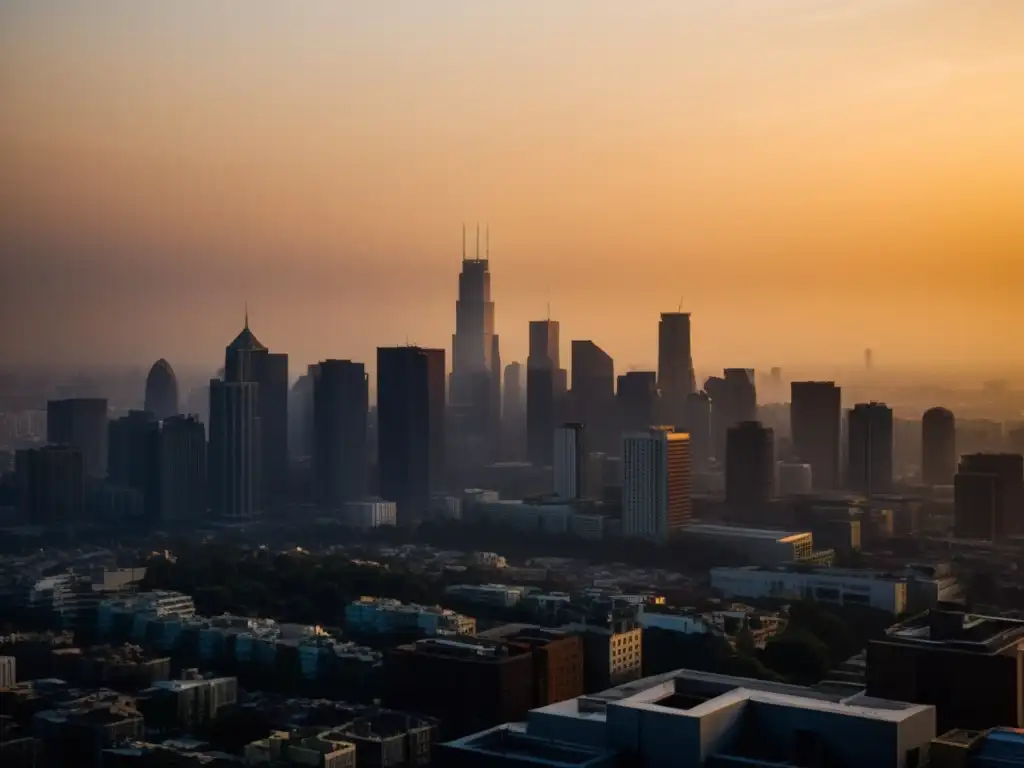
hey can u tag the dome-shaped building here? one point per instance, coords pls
(162, 390)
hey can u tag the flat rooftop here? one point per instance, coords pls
(957, 631)
(510, 741)
(816, 570)
(739, 532)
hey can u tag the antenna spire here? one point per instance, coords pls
(476, 255)
(246, 314)
(463, 242)
(487, 242)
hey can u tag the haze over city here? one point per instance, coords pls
(810, 177)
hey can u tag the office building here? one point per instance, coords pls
(161, 397)
(938, 447)
(233, 455)
(341, 407)
(133, 459)
(82, 424)
(733, 401)
(969, 667)
(558, 659)
(676, 380)
(410, 427)
(51, 485)
(656, 483)
(182, 467)
(545, 388)
(759, 546)
(637, 401)
(612, 649)
(697, 421)
(689, 718)
(869, 455)
(793, 479)
(365, 514)
(513, 413)
(476, 364)
(815, 421)
(749, 469)
(989, 496)
(300, 415)
(592, 394)
(570, 459)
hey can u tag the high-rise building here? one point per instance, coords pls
(51, 485)
(733, 401)
(697, 420)
(341, 403)
(476, 363)
(869, 455)
(300, 415)
(676, 378)
(656, 483)
(815, 419)
(570, 459)
(989, 496)
(183, 467)
(161, 391)
(938, 447)
(592, 394)
(80, 423)
(545, 383)
(749, 469)
(513, 415)
(133, 458)
(637, 401)
(233, 456)
(410, 427)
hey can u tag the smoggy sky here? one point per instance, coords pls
(813, 176)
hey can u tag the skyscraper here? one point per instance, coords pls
(989, 496)
(675, 364)
(570, 458)
(410, 426)
(161, 391)
(592, 394)
(637, 401)
(133, 458)
(733, 401)
(513, 414)
(656, 483)
(234, 466)
(476, 362)
(938, 447)
(749, 469)
(82, 424)
(697, 421)
(51, 485)
(183, 467)
(869, 456)
(341, 404)
(815, 419)
(545, 383)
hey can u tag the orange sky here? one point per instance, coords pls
(813, 176)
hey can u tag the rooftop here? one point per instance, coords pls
(954, 630)
(708, 529)
(510, 741)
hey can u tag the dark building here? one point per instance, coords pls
(233, 455)
(938, 447)
(637, 401)
(749, 469)
(51, 485)
(182, 467)
(676, 380)
(341, 404)
(558, 659)
(1015, 440)
(485, 682)
(869, 456)
(300, 416)
(815, 420)
(733, 401)
(697, 420)
(989, 496)
(592, 394)
(410, 427)
(545, 384)
(82, 424)
(133, 458)
(161, 391)
(968, 667)
(513, 415)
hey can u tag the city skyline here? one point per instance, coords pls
(813, 180)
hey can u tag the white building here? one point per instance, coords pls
(370, 513)
(762, 546)
(839, 586)
(793, 479)
(688, 718)
(656, 483)
(384, 615)
(568, 461)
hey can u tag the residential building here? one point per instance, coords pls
(869, 455)
(80, 423)
(378, 615)
(938, 447)
(815, 419)
(369, 513)
(656, 485)
(760, 546)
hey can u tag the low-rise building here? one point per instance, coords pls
(370, 513)
(694, 718)
(837, 586)
(498, 595)
(282, 748)
(760, 546)
(378, 615)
